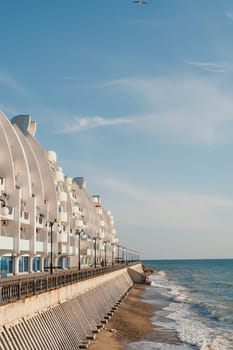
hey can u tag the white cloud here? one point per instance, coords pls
(80, 124)
(181, 109)
(168, 211)
(211, 66)
(10, 82)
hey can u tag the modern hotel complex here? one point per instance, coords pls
(48, 220)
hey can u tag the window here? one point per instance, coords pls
(6, 265)
(59, 262)
(24, 264)
(66, 262)
(36, 264)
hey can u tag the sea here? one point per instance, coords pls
(196, 304)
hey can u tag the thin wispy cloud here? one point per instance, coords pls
(211, 66)
(84, 123)
(8, 81)
(229, 14)
(168, 210)
(193, 110)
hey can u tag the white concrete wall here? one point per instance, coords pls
(14, 311)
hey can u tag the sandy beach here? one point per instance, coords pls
(130, 323)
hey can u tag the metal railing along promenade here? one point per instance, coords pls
(12, 289)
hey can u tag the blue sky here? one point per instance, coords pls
(139, 101)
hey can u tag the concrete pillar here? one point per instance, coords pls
(16, 264)
(42, 263)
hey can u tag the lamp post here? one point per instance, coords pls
(113, 251)
(95, 247)
(50, 224)
(122, 255)
(78, 233)
(118, 253)
(105, 253)
(4, 211)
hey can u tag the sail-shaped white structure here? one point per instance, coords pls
(34, 193)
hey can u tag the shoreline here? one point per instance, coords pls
(132, 323)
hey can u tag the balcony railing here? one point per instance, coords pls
(18, 288)
(25, 217)
(40, 221)
(2, 183)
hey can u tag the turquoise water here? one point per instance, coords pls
(199, 303)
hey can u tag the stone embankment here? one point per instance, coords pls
(66, 318)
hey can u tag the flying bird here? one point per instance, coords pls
(140, 2)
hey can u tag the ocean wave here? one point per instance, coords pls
(167, 288)
(146, 345)
(187, 320)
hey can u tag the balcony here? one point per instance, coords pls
(76, 210)
(40, 221)
(99, 211)
(39, 246)
(52, 157)
(79, 223)
(68, 180)
(6, 242)
(2, 183)
(62, 249)
(73, 195)
(95, 200)
(73, 251)
(59, 176)
(7, 213)
(102, 223)
(25, 217)
(54, 246)
(62, 196)
(89, 252)
(10, 215)
(62, 216)
(62, 237)
(24, 245)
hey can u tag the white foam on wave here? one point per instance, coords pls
(189, 326)
(146, 345)
(168, 288)
(191, 329)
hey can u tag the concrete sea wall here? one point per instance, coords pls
(65, 318)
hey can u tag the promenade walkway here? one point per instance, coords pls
(15, 287)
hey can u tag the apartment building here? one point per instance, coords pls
(45, 216)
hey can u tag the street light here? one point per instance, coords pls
(78, 233)
(105, 253)
(118, 253)
(94, 240)
(4, 211)
(113, 252)
(51, 224)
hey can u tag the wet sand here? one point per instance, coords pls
(130, 323)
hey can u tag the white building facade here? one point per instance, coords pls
(45, 215)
